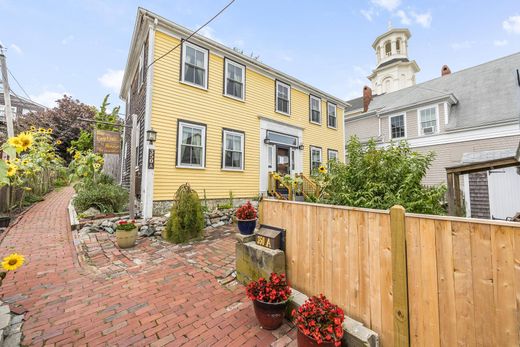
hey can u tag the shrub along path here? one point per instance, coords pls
(156, 293)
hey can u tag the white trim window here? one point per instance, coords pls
(191, 145)
(316, 158)
(141, 69)
(332, 154)
(194, 65)
(235, 80)
(428, 120)
(332, 119)
(397, 126)
(233, 150)
(315, 108)
(283, 98)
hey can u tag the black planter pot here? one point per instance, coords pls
(4, 221)
(246, 227)
(270, 315)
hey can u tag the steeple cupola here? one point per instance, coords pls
(394, 70)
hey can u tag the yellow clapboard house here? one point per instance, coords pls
(223, 121)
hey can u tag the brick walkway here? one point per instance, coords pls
(155, 293)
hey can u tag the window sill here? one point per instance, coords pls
(316, 123)
(190, 167)
(334, 128)
(234, 97)
(232, 170)
(285, 114)
(194, 85)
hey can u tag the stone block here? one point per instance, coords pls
(254, 261)
(356, 334)
(245, 238)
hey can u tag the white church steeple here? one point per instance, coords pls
(394, 70)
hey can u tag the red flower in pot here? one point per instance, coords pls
(246, 218)
(269, 299)
(319, 322)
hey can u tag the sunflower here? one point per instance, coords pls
(58, 142)
(33, 128)
(49, 130)
(13, 262)
(276, 176)
(41, 130)
(11, 170)
(322, 169)
(77, 155)
(97, 166)
(26, 140)
(15, 142)
(25, 162)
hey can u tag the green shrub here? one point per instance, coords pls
(107, 198)
(186, 219)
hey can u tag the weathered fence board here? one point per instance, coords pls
(463, 283)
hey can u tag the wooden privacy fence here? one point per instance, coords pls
(416, 280)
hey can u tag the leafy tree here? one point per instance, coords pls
(103, 116)
(380, 177)
(84, 142)
(64, 119)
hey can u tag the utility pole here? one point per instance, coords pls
(7, 95)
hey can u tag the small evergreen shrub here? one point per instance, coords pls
(186, 219)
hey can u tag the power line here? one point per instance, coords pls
(19, 85)
(193, 33)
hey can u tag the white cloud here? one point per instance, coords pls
(209, 32)
(462, 45)
(48, 98)
(67, 40)
(405, 20)
(389, 5)
(112, 79)
(423, 19)
(500, 43)
(16, 48)
(512, 24)
(368, 14)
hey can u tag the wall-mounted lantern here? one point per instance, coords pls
(151, 136)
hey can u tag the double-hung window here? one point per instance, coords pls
(332, 154)
(315, 158)
(428, 121)
(315, 106)
(194, 65)
(191, 145)
(283, 97)
(235, 78)
(397, 126)
(233, 150)
(331, 116)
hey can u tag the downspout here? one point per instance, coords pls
(147, 182)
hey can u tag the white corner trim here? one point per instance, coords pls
(446, 114)
(147, 181)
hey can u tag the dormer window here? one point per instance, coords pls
(194, 65)
(283, 98)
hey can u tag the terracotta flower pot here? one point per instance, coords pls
(269, 315)
(246, 226)
(307, 341)
(126, 239)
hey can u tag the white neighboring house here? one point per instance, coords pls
(457, 115)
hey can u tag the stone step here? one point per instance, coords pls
(10, 327)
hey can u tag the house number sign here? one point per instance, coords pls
(268, 237)
(151, 158)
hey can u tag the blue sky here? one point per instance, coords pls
(80, 47)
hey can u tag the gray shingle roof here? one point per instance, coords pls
(355, 104)
(487, 94)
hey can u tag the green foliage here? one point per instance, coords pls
(85, 165)
(103, 116)
(84, 142)
(380, 177)
(105, 197)
(225, 206)
(186, 219)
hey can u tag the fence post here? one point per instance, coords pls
(399, 277)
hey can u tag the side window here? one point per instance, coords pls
(315, 158)
(397, 127)
(194, 65)
(191, 145)
(283, 98)
(315, 107)
(233, 150)
(234, 80)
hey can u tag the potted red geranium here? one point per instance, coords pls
(269, 300)
(126, 233)
(246, 219)
(319, 323)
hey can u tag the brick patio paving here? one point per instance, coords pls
(83, 290)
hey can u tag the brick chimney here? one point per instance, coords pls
(445, 70)
(367, 97)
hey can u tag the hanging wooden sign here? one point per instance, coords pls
(107, 142)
